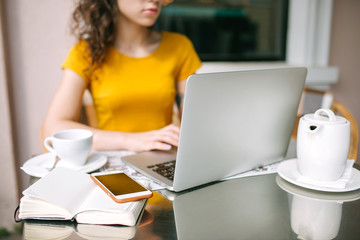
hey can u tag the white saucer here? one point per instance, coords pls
(288, 171)
(339, 197)
(38, 166)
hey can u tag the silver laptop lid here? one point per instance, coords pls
(235, 121)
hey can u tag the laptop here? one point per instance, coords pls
(232, 122)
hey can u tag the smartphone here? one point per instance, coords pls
(120, 187)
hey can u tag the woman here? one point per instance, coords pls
(132, 72)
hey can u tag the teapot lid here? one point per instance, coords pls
(325, 116)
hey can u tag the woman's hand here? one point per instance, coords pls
(161, 139)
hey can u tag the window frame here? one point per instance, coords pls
(308, 44)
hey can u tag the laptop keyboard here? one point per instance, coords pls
(166, 169)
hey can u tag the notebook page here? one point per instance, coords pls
(63, 187)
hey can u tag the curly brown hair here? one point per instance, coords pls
(94, 22)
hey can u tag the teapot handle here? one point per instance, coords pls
(321, 113)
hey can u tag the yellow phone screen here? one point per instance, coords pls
(120, 183)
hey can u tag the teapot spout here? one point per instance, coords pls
(313, 128)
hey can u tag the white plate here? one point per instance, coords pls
(288, 171)
(38, 166)
(338, 197)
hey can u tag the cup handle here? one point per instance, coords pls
(48, 146)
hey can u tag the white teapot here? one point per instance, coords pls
(323, 141)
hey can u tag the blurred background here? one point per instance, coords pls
(323, 35)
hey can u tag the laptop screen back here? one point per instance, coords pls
(235, 121)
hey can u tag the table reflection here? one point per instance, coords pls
(259, 207)
(315, 214)
(247, 208)
(45, 230)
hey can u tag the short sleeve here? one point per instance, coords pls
(190, 61)
(78, 60)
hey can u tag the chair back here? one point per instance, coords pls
(88, 115)
(339, 109)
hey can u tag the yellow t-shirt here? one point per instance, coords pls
(136, 94)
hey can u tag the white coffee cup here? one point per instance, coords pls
(72, 146)
(323, 141)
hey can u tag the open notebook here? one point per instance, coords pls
(56, 197)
